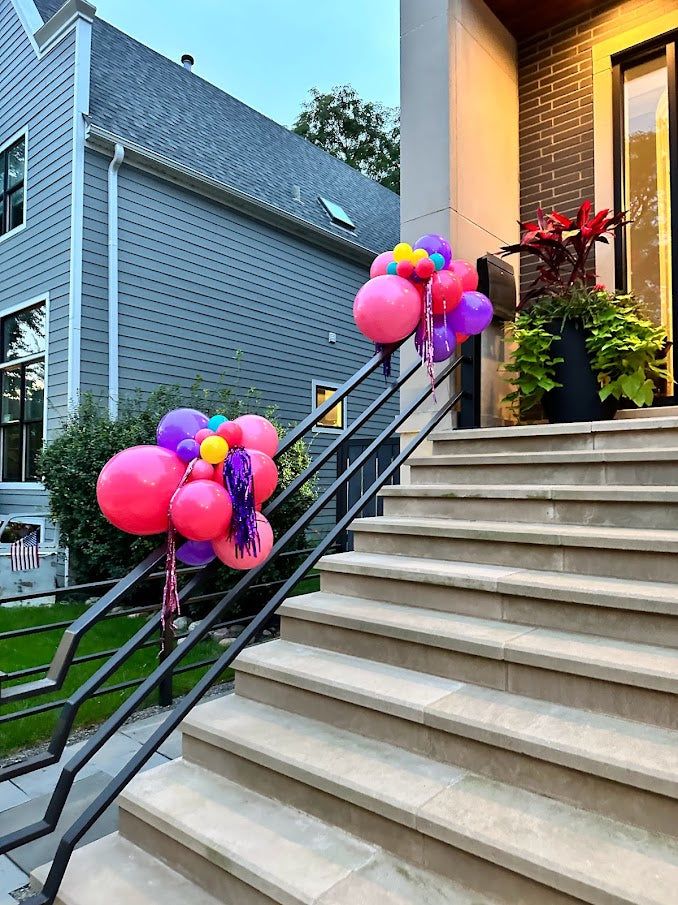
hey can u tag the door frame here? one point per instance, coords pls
(620, 62)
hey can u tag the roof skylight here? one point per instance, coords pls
(336, 213)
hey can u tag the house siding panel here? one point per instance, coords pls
(36, 260)
(556, 106)
(200, 283)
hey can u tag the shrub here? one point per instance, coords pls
(71, 463)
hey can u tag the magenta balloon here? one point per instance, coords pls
(380, 264)
(225, 547)
(444, 338)
(473, 313)
(435, 245)
(135, 487)
(196, 553)
(387, 309)
(178, 425)
(258, 433)
(467, 273)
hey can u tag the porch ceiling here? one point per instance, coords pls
(524, 18)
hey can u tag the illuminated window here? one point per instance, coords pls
(334, 418)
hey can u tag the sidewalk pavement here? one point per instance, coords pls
(24, 800)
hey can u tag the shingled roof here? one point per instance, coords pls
(143, 97)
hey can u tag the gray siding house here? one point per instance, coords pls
(152, 227)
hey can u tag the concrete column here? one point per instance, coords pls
(459, 134)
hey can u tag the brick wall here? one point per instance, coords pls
(556, 106)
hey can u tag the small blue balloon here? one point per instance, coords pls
(215, 421)
(392, 268)
(188, 450)
(438, 260)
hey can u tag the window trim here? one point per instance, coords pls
(665, 44)
(328, 385)
(39, 520)
(43, 299)
(23, 133)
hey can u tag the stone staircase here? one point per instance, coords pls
(479, 707)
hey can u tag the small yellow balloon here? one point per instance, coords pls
(402, 252)
(419, 254)
(214, 450)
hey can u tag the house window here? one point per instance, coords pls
(22, 380)
(646, 181)
(12, 185)
(333, 419)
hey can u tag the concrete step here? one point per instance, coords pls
(633, 681)
(534, 849)
(113, 871)
(638, 554)
(654, 411)
(646, 466)
(596, 762)
(590, 504)
(628, 610)
(245, 848)
(623, 434)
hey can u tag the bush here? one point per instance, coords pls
(71, 463)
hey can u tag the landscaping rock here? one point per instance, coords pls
(181, 623)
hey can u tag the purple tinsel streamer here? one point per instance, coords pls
(239, 483)
(386, 364)
(427, 345)
(170, 594)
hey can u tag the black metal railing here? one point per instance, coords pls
(172, 662)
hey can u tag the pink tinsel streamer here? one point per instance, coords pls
(427, 345)
(170, 594)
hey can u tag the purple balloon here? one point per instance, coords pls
(436, 245)
(188, 450)
(181, 424)
(444, 339)
(196, 553)
(472, 314)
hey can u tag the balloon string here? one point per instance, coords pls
(386, 364)
(427, 346)
(170, 594)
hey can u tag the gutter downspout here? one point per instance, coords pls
(113, 295)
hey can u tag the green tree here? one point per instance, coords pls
(363, 134)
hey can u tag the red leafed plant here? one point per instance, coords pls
(564, 247)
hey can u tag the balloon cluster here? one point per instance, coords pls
(421, 289)
(206, 480)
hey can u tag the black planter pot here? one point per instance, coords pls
(577, 399)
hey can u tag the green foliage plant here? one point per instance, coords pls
(627, 351)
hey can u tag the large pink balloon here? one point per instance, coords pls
(225, 549)
(466, 273)
(202, 510)
(380, 264)
(387, 309)
(135, 487)
(258, 433)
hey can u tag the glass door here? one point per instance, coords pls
(646, 178)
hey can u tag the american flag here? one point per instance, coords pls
(25, 552)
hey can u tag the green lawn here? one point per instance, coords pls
(36, 650)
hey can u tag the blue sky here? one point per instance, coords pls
(269, 53)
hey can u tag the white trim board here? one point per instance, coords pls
(83, 55)
(30, 18)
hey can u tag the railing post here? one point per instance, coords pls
(165, 688)
(469, 414)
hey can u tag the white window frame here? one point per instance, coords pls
(14, 309)
(328, 385)
(3, 147)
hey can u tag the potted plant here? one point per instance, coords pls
(579, 349)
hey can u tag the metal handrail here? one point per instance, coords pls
(63, 658)
(101, 736)
(96, 808)
(95, 681)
